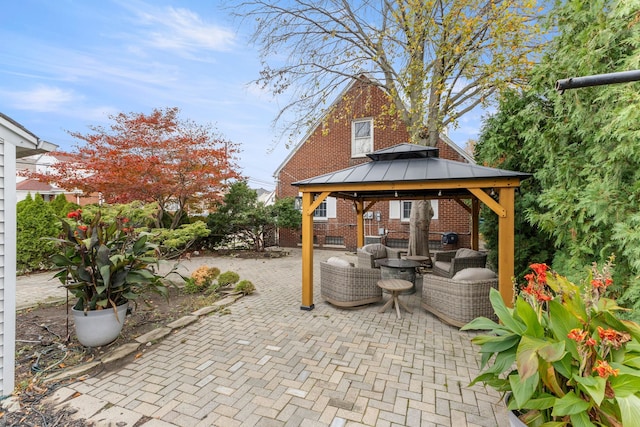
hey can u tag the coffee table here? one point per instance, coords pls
(395, 268)
(395, 286)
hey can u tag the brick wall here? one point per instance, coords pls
(328, 149)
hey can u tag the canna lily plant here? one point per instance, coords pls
(561, 353)
(106, 264)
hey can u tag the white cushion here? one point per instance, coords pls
(474, 275)
(467, 253)
(443, 265)
(340, 262)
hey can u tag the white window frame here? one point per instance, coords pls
(400, 211)
(361, 146)
(329, 205)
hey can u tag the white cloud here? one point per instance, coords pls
(178, 30)
(42, 98)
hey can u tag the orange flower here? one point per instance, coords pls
(578, 335)
(604, 369)
(613, 337)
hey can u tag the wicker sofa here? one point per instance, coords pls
(448, 263)
(460, 299)
(368, 254)
(344, 285)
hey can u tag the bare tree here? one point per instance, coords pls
(436, 59)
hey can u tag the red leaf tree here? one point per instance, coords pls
(158, 157)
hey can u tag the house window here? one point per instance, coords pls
(361, 137)
(321, 211)
(405, 210)
(326, 210)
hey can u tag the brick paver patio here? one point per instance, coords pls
(265, 362)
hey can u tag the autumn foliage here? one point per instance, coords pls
(153, 158)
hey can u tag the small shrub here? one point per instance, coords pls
(246, 287)
(228, 278)
(190, 286)
(201, 279)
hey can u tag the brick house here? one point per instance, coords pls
(356, 125)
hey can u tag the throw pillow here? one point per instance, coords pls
(474, 274)
(337, 261)
(466, 253)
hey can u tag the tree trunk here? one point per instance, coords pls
(421, 214)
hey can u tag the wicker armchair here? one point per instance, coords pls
(368, 254)
(457, 302)
(448, 263)
(346, 286)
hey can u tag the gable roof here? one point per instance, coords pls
(443, 137)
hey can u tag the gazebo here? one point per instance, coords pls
(414, 172)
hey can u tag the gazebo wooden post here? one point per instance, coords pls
(506, 245)
(360, 222)
(307, 252)
(475, 224)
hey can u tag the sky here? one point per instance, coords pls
(66, 65)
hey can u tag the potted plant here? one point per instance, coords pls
(104, 265)
(561, 354)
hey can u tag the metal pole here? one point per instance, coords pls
(598, 79)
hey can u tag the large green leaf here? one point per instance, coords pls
(625, 385)
(629, 409)
(505, 314)
(530, 349)
(530, 318)
(492, 344)
(523, 389)
(580, 419)
(593, 386)
(569, 404)
(480, 323)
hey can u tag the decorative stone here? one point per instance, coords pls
(183, 321)
(120, 352)
(154, 335)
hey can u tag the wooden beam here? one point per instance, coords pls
(498, 208)
(414, 185)
(506, 245)
(307, 251)
(315, 203)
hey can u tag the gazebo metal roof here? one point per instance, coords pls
(413, 172)
(408, 163)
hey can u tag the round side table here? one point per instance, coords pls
(395, 286)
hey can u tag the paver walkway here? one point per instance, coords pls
(268, 363)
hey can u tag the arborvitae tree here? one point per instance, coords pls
(36, 222)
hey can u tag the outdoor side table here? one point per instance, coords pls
(395, 286)
(404, 269)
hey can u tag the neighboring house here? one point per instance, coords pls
(16, 142)
(356, 125)
(42, 163)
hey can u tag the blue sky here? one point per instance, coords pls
(68, 64)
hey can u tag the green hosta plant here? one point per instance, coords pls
(562, 352)
(105, 264)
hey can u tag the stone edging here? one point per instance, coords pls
(126, 349)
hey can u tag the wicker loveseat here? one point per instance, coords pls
(368, 254)
(459, 300)
(448, 263)
(344, 285)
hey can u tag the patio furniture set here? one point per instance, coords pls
(456, 289)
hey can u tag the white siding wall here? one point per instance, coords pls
(7, 266)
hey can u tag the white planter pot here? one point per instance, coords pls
(514, 421)
(98, 327)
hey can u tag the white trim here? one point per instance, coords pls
(9, 279)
